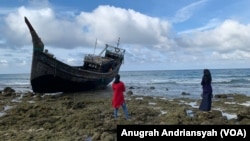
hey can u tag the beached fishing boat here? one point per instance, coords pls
(49, 75)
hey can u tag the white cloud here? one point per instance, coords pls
(186, 12)
(235, 55)
(228, 36)
(224, 46)
(108, 23)
(131, 26)
(3, 62)
(213, 23)
(149, 41)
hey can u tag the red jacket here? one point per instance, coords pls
(118, 97)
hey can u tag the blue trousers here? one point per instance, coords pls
(125, 110)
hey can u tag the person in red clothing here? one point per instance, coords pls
(118, 97)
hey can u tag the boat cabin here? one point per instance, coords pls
(114, 52)
(105, 63)
(98, 63)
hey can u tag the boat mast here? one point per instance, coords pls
(103, 50)
(108, 46)
(95, 45)
(118, 42)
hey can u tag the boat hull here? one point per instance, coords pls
(51, 84)
(49, 75)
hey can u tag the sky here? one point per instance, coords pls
(156, 34)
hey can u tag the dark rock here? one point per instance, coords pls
(131, 87)
(244, 113)
(8, 91)
(152, 88)
(185, 93)
(220, 96)
(129, 93)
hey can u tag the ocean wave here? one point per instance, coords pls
(232, 81)
(162, 82)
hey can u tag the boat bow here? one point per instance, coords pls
(37, 42)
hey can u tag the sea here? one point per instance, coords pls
(160, 83)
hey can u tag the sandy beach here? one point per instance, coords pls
(83, 116)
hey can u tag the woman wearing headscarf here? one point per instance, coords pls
(118, 97)
(207, 91)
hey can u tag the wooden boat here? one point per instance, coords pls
(49, 75)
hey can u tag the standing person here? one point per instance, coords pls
(118, 97)
(207, 91)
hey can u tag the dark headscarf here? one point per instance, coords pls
(117, 78)
(207, 78)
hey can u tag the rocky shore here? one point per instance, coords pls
(84, 117)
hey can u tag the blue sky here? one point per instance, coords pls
(157, 34)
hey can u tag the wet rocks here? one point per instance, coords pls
(8, 91)
(87, 117)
